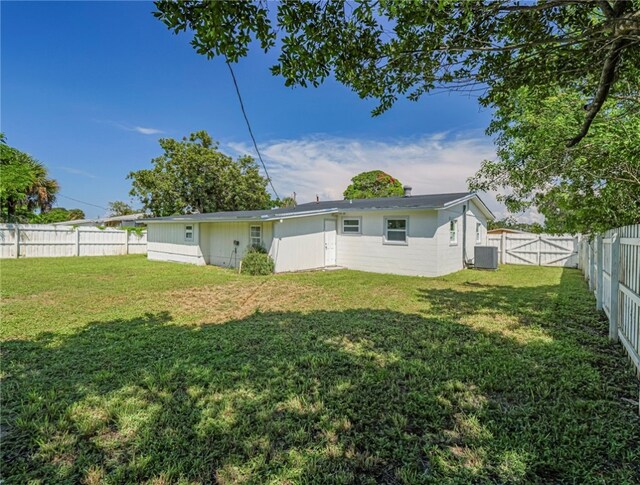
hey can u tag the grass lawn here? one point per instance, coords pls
(120, 370)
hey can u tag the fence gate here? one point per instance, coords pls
(536, 249)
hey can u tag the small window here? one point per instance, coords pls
(188, 233)
(255, 235)
(396, 231)
(351, 226)
(453, 232)
(478, 232)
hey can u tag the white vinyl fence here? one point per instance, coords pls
(536, 249)
(45, 240)
(611, 265)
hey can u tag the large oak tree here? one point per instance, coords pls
(392, 48)
(589, 187)
(192, 175)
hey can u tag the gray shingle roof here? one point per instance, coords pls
(432, 201)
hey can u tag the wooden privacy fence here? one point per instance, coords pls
(45, 240)
(611, 265)
(536, 249)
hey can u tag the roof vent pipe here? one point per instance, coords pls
(407, 191)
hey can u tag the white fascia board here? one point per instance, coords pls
(388, 209)
(483, 207)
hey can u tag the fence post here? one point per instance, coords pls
(599, 272)
(17, 242)
(126, 242)
(592, 267)
(77, 241)
(538, 247)
(503, 248)
(615, 285)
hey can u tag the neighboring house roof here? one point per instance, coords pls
(128, 217)
(414, 202)
(101, 220)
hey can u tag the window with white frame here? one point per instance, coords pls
(351, 226)
(395, 230)
(453, 232)
(478, 232)
(188, 233)
(255, 235)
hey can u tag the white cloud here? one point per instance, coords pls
(138, 129)
(324, 165)
(147, 131)
(434, 163)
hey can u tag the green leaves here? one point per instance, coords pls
(376, 183)
(587, 188)
(24, 185)
(192, 175)
(120, 208)
(516, 55)
(57, 214)
(386, 50)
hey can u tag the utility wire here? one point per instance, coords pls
(253, 138)
(81, 201)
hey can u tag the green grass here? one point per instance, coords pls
(120, 370)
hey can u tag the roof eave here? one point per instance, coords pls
(261, 218)
(483, 207)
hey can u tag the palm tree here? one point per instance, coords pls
(24, 184)
(42, 193)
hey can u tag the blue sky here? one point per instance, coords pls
(89, 87)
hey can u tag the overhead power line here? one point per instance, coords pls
(82, 202)
(253, 138)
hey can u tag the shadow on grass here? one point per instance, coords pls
(364, 396)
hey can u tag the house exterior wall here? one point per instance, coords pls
(217, 241)
(474, 215)
(450, 254)
(298, 244)
(166, 242)
(369, 251)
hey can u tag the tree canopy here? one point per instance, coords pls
(590, 187)
(391, 49)
(120, 208)
(192, 175)
(286, 202)
(24, 185)
(57, 214)
(376, 183)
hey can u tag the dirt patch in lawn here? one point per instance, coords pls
(238, 299)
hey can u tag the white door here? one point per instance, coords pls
(329, 242)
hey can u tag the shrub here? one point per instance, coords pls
(256, 263)
(257, 248)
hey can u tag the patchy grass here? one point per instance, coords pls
(119, 370)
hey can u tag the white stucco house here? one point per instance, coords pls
(423, 235)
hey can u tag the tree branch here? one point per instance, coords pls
(606, 8)
(543, 5)
(604, 85)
